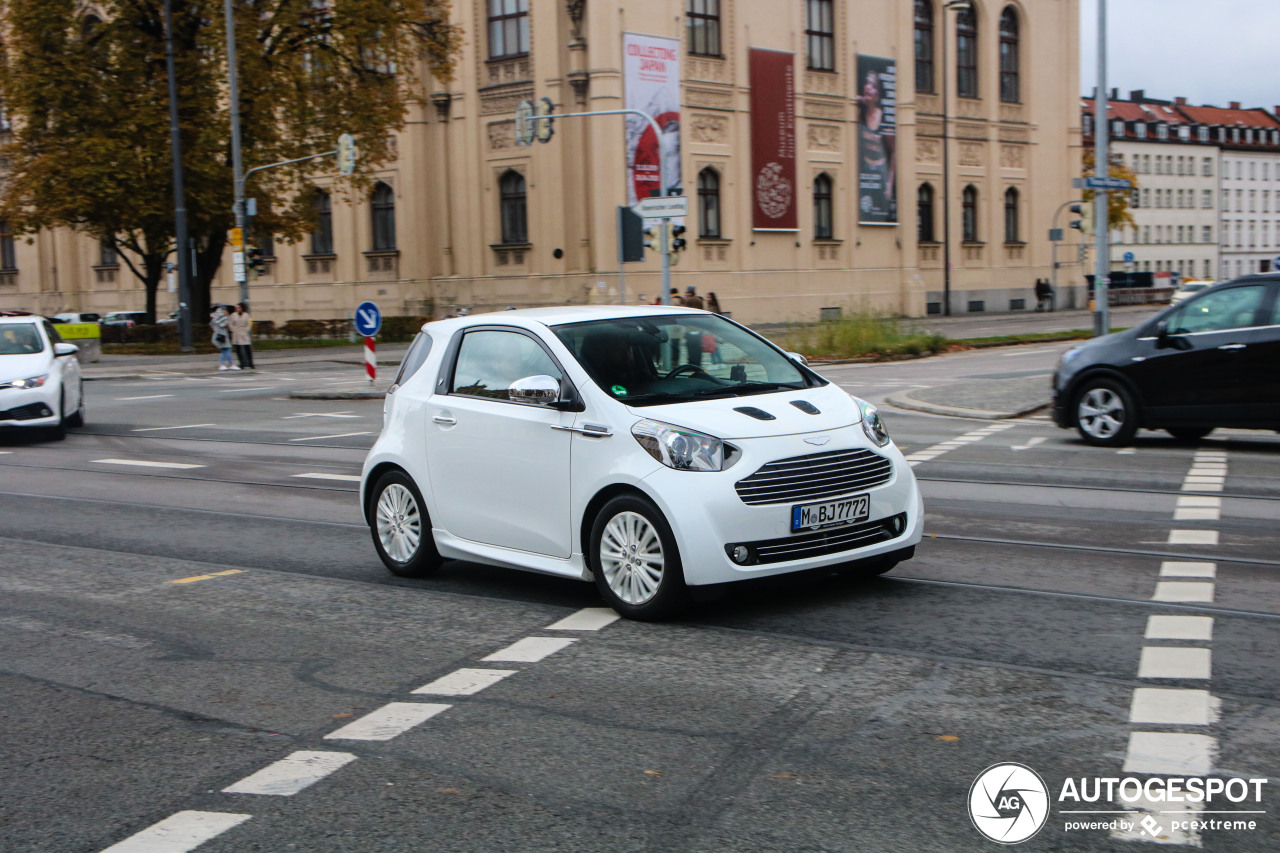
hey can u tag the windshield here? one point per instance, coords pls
(679, 357)
(20, 339)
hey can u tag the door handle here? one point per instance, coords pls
(593, 430)
(1232, 346)
(445, 419)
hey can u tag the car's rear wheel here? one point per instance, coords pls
(1105, 414)
(401, 527)
(1189, 433)
(635, 561)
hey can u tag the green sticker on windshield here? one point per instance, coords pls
(619, 391)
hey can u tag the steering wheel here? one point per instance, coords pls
(692, 369)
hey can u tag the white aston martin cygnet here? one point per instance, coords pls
(651, 449)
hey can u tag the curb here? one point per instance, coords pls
(904, 400)
(337, 395)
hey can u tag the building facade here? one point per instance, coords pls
(917, 133)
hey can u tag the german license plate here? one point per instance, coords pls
(835, 513)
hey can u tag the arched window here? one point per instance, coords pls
(708, 203)
(515, 219)
(967, 53)
(384, 218)
(1010, 89)
(969, 215)
(924, 45)
(8, 259)
(1011, 215)
(924, 214)
(823, 225)
(322, 236)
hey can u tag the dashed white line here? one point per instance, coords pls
(1161, 627)
(292, 774)
(586, 619)
(531, 649)
(1193, 537)
(1031, 442)
(321, 437)
(183, 426)
(146, 397)
(179, 833)
(1180, 569)
(1184, 591)
(392, 719)
(145, 463)
(350, 478)
(1171, 707)
(236, 390)
(465, 682)
(1168, 753)
(320, 415)
(1174, 662)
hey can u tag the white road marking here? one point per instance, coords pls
(322, 437)
(320, 415)
(531, 649)
(1201, 487)
(586, 619)
(179, 833)
(144, 463)
(236, 390)
(1180, 628)
(1031, 442)
(1184, 591)
(1179, 569)
(1204, 478)
(1168, 707)
(290, 775)
(146, 397)
(465, 682)
(1174, 662)
(1193, 537)
(394, 718)
(1197, 513)
(183, 426)
(1127, 451)
(1166, 753)
(351, 478)
(1197, 500)
(1169, 826)
(5, 452)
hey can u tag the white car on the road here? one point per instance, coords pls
(651, 449)
(40, 383)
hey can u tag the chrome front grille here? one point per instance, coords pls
(814, 477)
(819, 543)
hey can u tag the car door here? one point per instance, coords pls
(1199, 371)
(1264, 365)
(499, 469)
(67, 368)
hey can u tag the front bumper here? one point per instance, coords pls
(29, 407)
(708, 517)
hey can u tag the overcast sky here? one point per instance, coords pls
(1209, 52)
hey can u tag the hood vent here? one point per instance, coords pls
(758, 414)
(806, 407)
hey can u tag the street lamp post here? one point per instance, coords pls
(959, 6)
(237, 163)
(1101, 198)
(179, 193)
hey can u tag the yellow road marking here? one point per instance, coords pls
(208, 576)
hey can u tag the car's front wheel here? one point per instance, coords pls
(635, 561)
(1105, 413)
(401, 527)
(76, 418)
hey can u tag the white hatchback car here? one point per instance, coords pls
(650, 449)
(40, 384)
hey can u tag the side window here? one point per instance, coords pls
(489, 361)
(1235, 308)
(414, 358)
(52, 332)
(1275, 310)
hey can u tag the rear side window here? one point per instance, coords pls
(1235, 308)
(414, 358)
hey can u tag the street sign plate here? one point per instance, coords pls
(524, 123)
(658, 208)
(1055, 235)
(237, 238)
(1128, 257)
(1106, 183)
(368, 319)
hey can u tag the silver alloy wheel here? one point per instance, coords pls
(399, 523)
(1101, 413)
(631, 557)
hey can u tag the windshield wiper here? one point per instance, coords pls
(746, 388)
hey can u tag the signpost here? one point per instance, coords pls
(368, 321)
(663, 208)
(1128, 261)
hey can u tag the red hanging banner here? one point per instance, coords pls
(773, 140)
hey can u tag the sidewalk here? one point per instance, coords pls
(145, 366)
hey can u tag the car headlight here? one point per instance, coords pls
(683, 449)
(873, 424)
(33, 382)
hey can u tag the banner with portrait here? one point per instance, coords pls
(773, 140)
(877, 140)
(651, 77)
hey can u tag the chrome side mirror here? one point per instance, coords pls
(797, 358)
(540, 390)
(61, 350)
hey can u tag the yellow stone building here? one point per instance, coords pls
(464, 217)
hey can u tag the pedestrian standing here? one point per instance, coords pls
(691, 298)
(713, 304)
(222, 338)
(241, 326)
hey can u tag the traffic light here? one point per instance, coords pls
(1085, 211)
(679, 243)
(651, 238)
(256, 260)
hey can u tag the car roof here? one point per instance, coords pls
(558, 315)
(25, 318)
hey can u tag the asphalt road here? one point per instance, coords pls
(191, 601)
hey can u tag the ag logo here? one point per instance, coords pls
(1008, 803)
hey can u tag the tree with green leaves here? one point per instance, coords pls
(1119, 216)
(87, 97)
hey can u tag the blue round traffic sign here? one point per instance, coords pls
(368, 319)
(1128, 257)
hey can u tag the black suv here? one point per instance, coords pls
(1210, 361)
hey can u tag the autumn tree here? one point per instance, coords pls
(87, 97)
(1119, 214)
